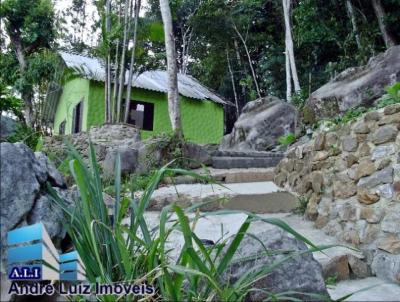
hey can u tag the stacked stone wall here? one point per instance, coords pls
(351, 178)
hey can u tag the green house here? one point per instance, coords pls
(78, 103)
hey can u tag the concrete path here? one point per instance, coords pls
(234, 175)
(258, 197)
(215, 227)
(269, 201)
(380, 291)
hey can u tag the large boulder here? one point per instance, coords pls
(7, 127)
(105, 139)
(158, 151)
(113, 135)
(356, 86)
(386, 266)
(197, 155)
(128, 158)
(260, 125)
(23, 196)
(302, 273)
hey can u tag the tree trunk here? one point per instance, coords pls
(27, 93)
(235, 43)
(186, 39)
(380, 14)
(233, 84)
(122, 62)
(288, 76)
(289, 44)
(132, 63)
(173, 94)
(107, 85)
(116, 71)
(350, 12)
(249, 58)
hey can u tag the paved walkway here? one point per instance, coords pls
(213, 227)
(258, 197)
(269, 201)
(380, 291)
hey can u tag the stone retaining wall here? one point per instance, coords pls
(351, 177)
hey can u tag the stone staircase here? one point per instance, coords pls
(227, 176)
(227, 159)
(252, 190)
(353, 275)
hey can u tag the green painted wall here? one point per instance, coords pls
(203, 121)
(74, 91)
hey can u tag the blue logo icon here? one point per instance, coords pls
(31, 255)
(71, 267)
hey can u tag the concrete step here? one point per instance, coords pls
(258, 197)
(215, 227)
(235, 175)
(229, 162)
(250, 153)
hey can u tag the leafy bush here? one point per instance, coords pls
(299, 99)
(172, 151)
(350, 115)
(9, 102)
(132, 183)
(139, 182)
(126, 249)
(286, 140)
(392, 96)
(26, 135)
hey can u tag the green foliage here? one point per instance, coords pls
(39, 144)
(126, 249)
(331, 281)
(33, 19)
(9, 102)
(392, 96)
(26, 135)
(30, 28)
(133, 183)
(299, 98)
(171, 148)
(286, 140)
(350, 115)
(139, 182)
(302, 205)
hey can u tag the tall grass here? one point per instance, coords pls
(123, 248)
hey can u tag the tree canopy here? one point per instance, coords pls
(235, 47)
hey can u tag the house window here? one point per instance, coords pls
(77, 118)
(61, 128)
(141, 114)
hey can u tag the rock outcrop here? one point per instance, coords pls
(7, 127)
(358, 86)
(137, 156)
(23, 195)
(104, 138)
(260, 125)
(302, 273)
(351, 177)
